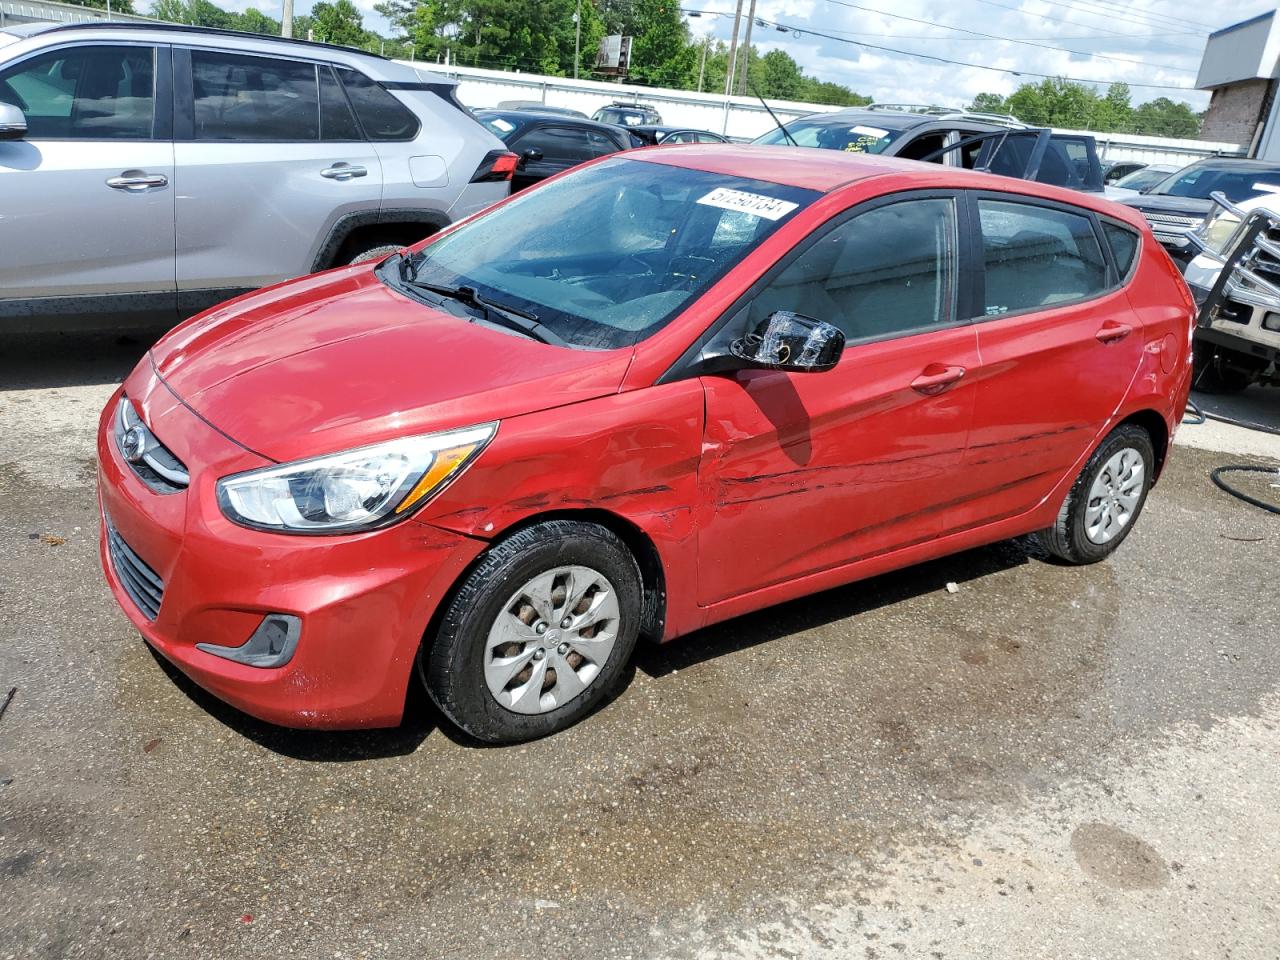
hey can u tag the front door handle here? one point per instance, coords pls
(935, 378)
(1111, 331)
(137, 180)
(344, 171)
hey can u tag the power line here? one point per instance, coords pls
(990, 36)
(1073, 23)
(1085, 7)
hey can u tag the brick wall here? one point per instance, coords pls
(1235, 111)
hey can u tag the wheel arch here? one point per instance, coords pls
(404, 225)
(1157, 428)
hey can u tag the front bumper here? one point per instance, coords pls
(364, 600)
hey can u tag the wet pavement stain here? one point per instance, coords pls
(1117, 858)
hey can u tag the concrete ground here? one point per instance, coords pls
(1048, 762)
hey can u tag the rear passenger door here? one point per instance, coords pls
(269, 156)
(1059, 346)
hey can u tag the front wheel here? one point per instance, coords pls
(1106, 499)
(538, 635)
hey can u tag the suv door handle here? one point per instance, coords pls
(1111, 331)
(935, 378)
(140, 181)
(343, 171)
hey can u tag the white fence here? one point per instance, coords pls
(744, 117)
(28, 11)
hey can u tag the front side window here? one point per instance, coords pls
(253, 99)
(1037, 257)
(85, 93)
(887, 271)
(608, 255)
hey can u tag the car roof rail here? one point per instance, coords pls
(160, 25)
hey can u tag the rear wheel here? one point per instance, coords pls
(378, 252)
(1106, 499)
(538, 635)
(1220, 370)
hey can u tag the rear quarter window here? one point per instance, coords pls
(1124, 247)
(381, 114)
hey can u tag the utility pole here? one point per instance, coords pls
(577, 38)
(286, 19)
(733, 51)
(702, 67)
(746, 52)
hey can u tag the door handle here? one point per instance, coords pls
(935, 378)
(1112, 331)
(137, 181)
(343, 171)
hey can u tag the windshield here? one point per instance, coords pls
(1141, 178)
(1199, 182)
(628, 118)
(833, 135)
(607, 256)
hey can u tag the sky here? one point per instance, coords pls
(1151, 41)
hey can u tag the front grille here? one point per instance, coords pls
(1172, 220)
(144, 586)
(152, 462)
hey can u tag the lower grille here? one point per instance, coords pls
(144, 586)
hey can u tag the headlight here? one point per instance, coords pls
(1218, 229)
(356, 490)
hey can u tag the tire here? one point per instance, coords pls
(1213, 372)
(368, 254)
(1082, 534)
(491, 629)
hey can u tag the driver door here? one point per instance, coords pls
(802, 472)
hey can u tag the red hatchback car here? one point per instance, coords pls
(661, 390)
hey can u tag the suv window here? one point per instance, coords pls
(337, 122)
(600, 144)
(253, 98)
(558, 144)
(382, 115)
(85, 93)
(1037, 256)
(887, 271)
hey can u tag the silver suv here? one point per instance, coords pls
(150, 170)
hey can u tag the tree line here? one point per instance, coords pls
(539, 38)
(1077, 106)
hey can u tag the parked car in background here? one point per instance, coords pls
(1113, 170)
(653, 134)
(148, 170)
(1179, 203)
(671, 387)
(1236, 282)
(546, 144)
(1130, 185)
(538, 107)
(626, 113)
(956, 139)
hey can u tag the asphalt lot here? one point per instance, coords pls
(1056, 762)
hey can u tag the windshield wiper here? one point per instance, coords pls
(497, 313)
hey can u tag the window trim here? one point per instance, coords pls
(161, 88)
(687, 364)
(976, 243)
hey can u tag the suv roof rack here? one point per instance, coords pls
(950, 113)
(906, 107)
(631, 103)
(209, 31)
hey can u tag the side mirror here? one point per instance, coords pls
(532, 155)
(13, 122)
(791, 342)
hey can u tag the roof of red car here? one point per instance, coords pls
(827, 170)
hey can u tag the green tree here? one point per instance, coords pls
(1164, 118)
(255, 21)
(338, 22)
(777, 76)
(661, 51)
(196, 13)
(117, 6)
(1113, 112)
(989, 103)
(1056, 103)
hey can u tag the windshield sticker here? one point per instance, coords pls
(755, 204)
(506, 126)
(869, 131)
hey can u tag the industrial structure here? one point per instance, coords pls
(1240, 66)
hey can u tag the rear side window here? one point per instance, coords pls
(382, 115)
(253, 98)
(336, 119)
(85, 93)
(1037, 257)
(1124, 246)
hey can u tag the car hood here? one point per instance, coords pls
(1158, 203)
(339, 360)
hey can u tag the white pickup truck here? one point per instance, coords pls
(1235, 278)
